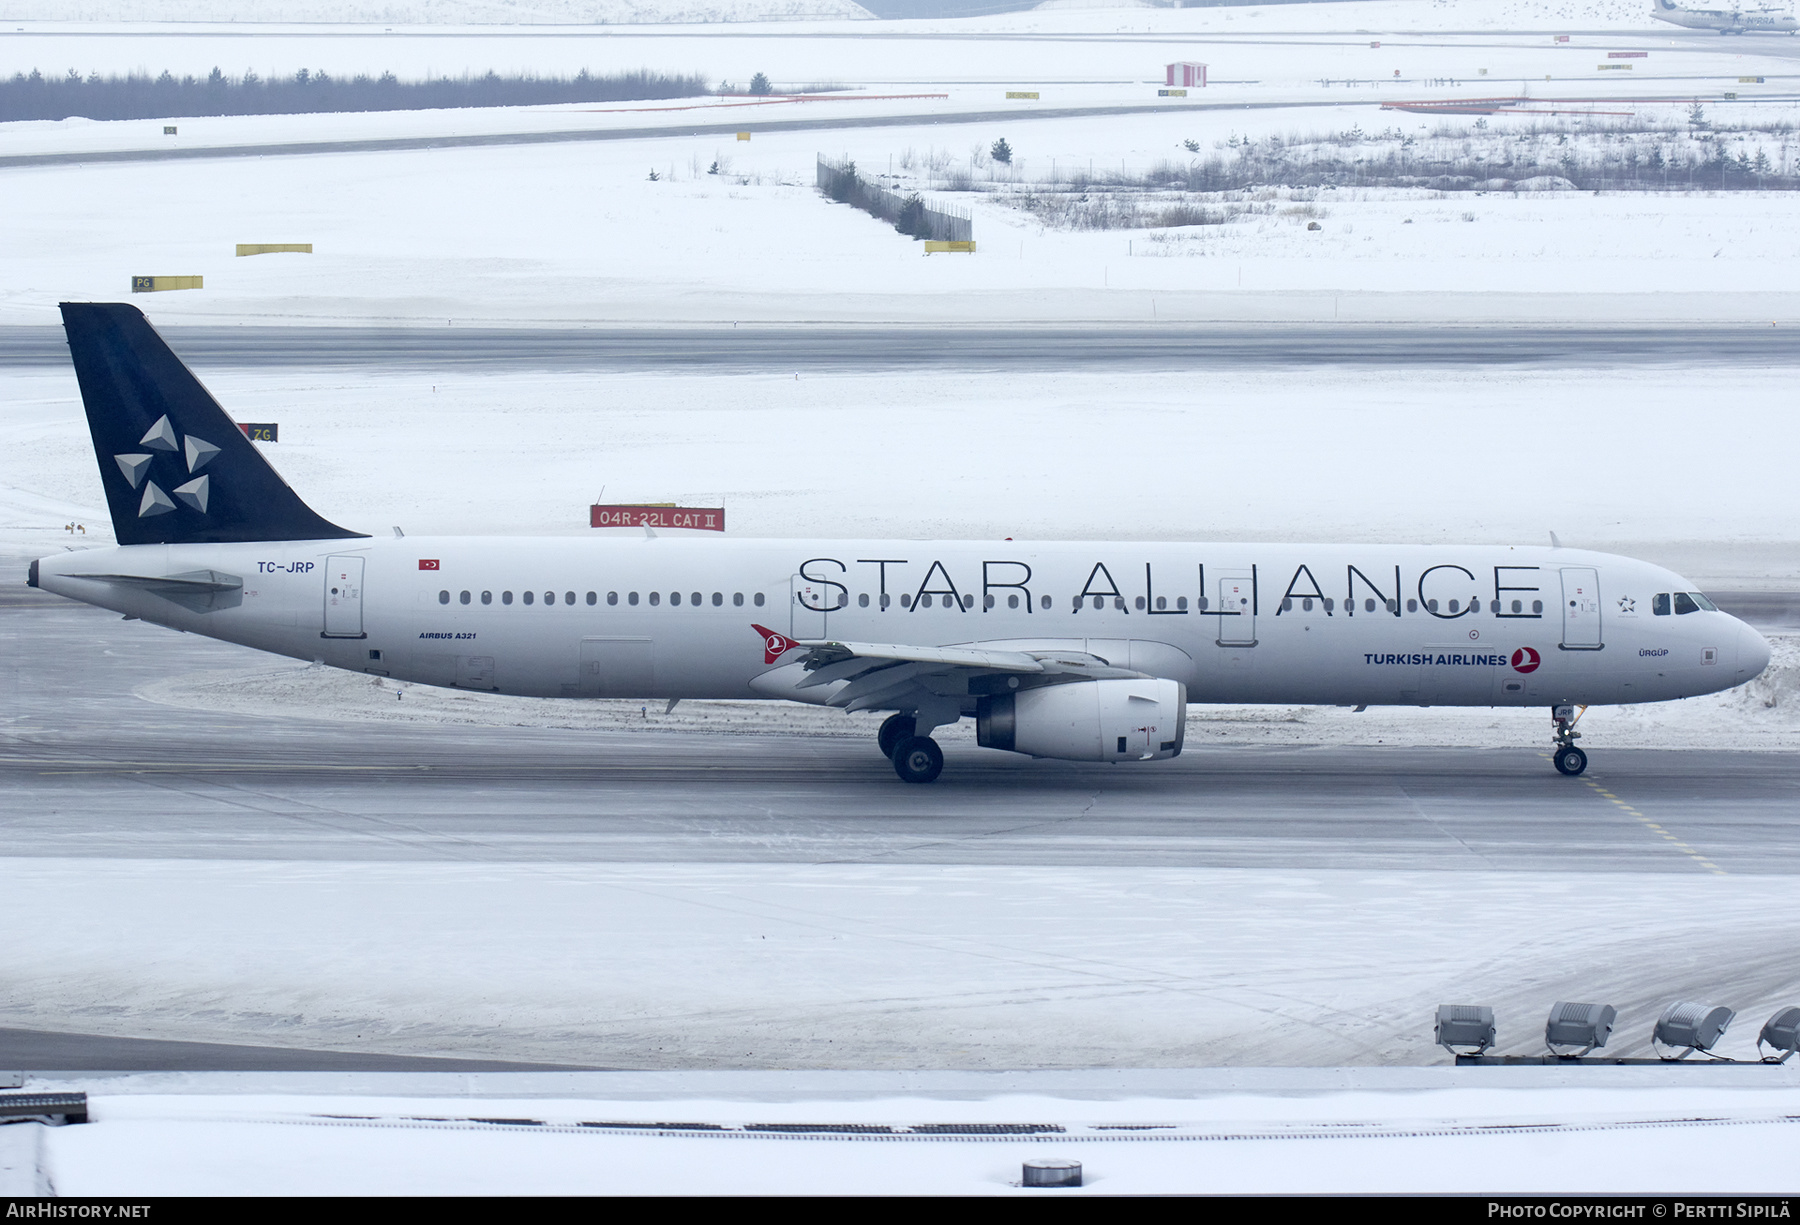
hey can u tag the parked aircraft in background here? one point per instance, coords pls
(1081, 651)
(1727, 20)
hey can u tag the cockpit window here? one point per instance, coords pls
(1703, 602)
(1659, 604)
(1684, 603)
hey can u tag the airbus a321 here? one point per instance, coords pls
(1081, 651)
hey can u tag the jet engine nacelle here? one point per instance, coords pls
(1114, 720)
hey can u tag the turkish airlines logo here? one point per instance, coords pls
(1525, 660)
(774, 645)
(428, 563)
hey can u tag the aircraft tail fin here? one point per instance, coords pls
(176, 468)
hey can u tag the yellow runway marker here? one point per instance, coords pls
(1654, 828)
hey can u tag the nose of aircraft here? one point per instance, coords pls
(1752, 654)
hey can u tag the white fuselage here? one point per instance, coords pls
(672, 618)
(1726, 21)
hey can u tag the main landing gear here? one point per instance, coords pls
(917, 759)
(1569, 759)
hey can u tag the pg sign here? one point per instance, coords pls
(704, 519)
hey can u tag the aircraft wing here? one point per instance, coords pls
(882, 675)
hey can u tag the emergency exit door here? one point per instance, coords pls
(343, 598)
(1237, 610)
(1581, 609)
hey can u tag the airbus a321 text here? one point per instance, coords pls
(1081, 651)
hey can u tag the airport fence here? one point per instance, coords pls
(907, 213)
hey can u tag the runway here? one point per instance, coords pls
(893, 347)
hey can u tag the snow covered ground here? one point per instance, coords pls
(442, 452)
(878, 965)
(174, 1138)
(432, 12)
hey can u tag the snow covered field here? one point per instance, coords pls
(194, 1136)
(881, 966)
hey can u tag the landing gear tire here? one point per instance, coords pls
(895, 729)
(1571, 761)
(917, 759)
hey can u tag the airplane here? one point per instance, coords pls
(1725, 21)
(1079, 651)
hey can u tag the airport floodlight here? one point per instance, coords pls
(1586, 1026)
(1781, 1033)
(1689, 1027)
(1465, 1025)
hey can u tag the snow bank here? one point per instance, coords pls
(435, 12)
(879, 964)
(1434, 1141)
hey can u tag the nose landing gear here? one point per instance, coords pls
(1569, 759)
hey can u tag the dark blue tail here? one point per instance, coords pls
(176, 469)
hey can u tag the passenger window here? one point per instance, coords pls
(1684, 603)
(757, 599)
(612, 597)
(593, 598)
(886, 600)
(1181, 603)
(487, 597)
(506, 597)
(1044, 603)
(655, 598)
(529, 596)
(463, 598)
(719, 599)
(924, 600)
(1306, 604)
(1494, 606)
(987, 601)
(905, 601)
(694, 599)
(1012, 601)
(1329, 605)
(968, 602)
(443, 597)
(1393, 606)
(569, 597)
(1369, 604)
(1412, 606)
(1287, 604)
(1518, 606)
(1452, 606)
(1201, 604)
(737, 599)
(1139, 603)
(674, 598)
(632, 599)
(1537, 608)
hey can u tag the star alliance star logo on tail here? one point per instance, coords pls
(135, 466)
